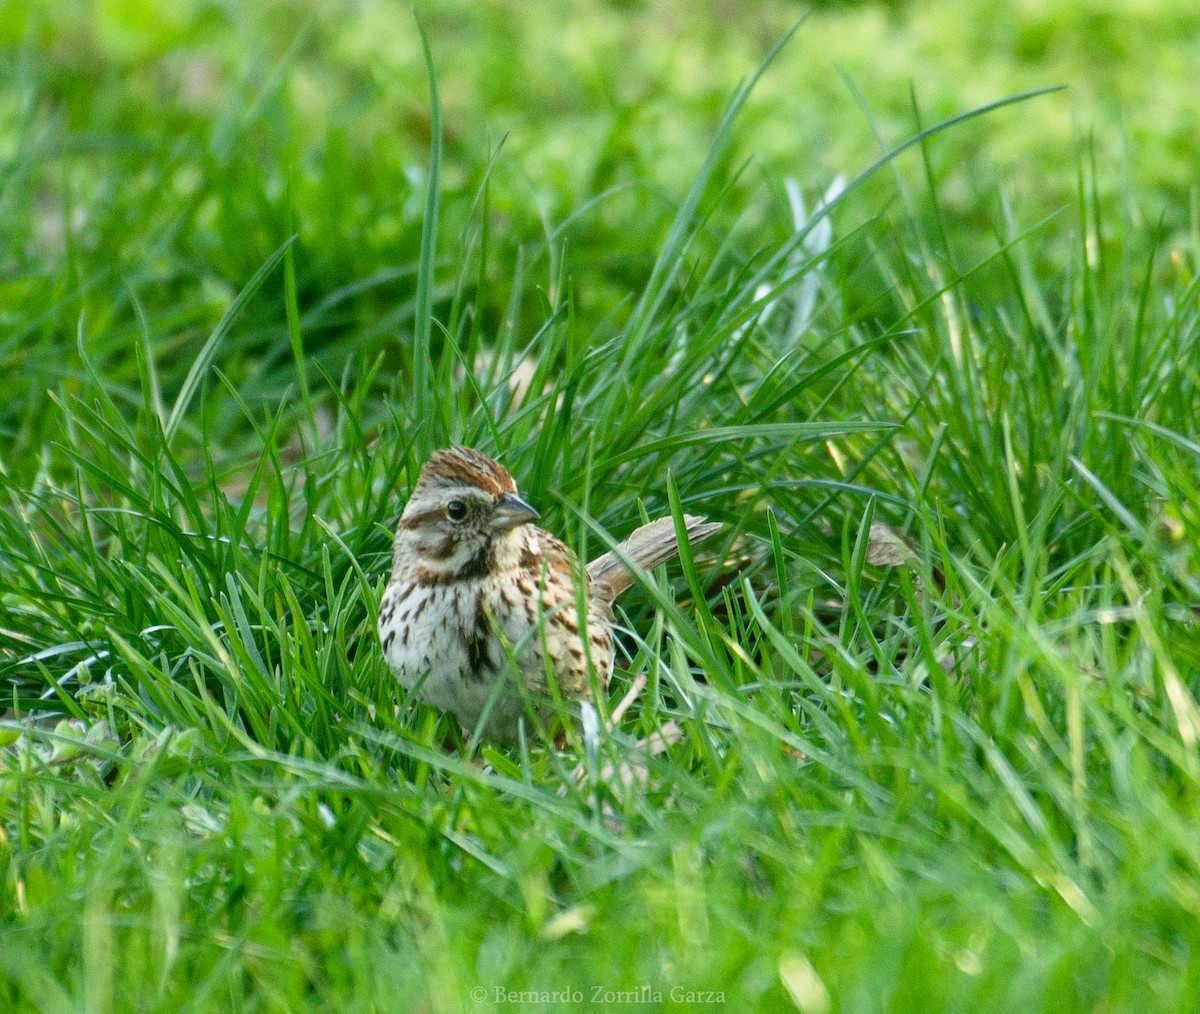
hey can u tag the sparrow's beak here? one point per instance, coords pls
(512, 511)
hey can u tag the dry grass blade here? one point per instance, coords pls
(648, 547)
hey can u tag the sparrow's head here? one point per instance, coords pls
(463, 508)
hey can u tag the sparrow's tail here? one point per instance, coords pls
(647, 547)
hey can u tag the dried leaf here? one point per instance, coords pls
(888, 547)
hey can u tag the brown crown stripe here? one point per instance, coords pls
(464, 464)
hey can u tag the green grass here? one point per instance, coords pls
(936, 681)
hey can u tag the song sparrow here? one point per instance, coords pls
(478, 591)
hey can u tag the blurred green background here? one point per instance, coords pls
(116, 114)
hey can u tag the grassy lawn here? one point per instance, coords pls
(929, 354)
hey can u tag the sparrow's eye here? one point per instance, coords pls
(456, 510)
